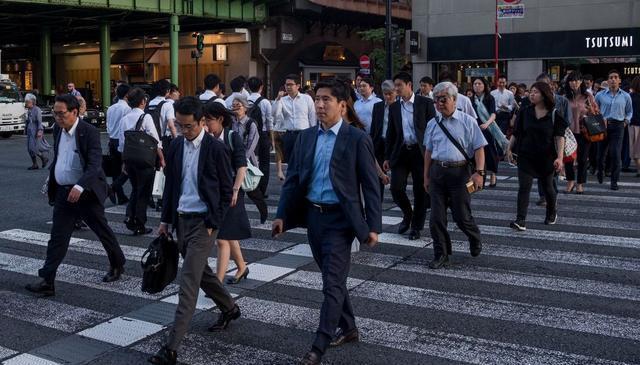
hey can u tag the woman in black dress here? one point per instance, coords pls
(235, 226)
(485, 107)
(539, 136)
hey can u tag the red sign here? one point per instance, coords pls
(364, 61)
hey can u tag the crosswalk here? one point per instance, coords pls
(563, 294)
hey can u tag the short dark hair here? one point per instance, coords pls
(254, 84)
(587, 77)
(173, 87)
(446, 76)
(217, 110)
(502, 77)
(368, 81)
(427, 80)
(547, 95)
(122, 90)
(613, 71)
(237, 84)
(338, 89)
(135, 96)
(294, 77)
(69, 100)
(190, 105)
(542, 76)
(211, 81)
(404, 76)
(160, 88)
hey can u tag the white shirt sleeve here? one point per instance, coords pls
(312, 112)
(150, 129)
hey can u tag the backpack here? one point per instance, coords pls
(159, 264)
(253, 176)
(139, 147)
(212, 99)
(255, 113)
(155, 112)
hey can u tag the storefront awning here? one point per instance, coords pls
(128, 56)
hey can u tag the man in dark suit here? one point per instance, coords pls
(404, 153)
(197, 194)
(379, 125)
(77, 190)
(330, 166)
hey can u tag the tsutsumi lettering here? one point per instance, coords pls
(609, 42)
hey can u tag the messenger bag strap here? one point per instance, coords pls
(453, 140)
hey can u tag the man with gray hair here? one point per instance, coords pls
(379, 125)
(453, 141)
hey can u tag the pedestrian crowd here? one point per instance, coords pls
(194, 158)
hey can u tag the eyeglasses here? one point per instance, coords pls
(60, 114)
(441, 99)
(185, 126)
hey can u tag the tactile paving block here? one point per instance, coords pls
(122, 331)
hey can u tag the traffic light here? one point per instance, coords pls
(199, 40)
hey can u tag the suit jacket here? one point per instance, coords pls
(90, 152)
(423, 112)
(352, 170)
(377, 123)
(215, 182)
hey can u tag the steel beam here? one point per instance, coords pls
(45, 62)
(105, 64)
(174, 47)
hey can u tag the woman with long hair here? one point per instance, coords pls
(582, 103)
(539, 133)
(485, 106)
(235, 226)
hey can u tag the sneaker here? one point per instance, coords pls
(518, 225)
(542, 202)
(551, 220)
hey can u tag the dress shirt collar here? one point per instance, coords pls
(159, 99)
(456, 115)
(244, 120)
(295, 97)
(196, 141)
(335, 129)
(122, 102)
(371, 97)
(72, 130)
(410, 101)
(255, 95)
(608, 92)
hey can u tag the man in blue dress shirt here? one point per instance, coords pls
(615, 106)
(331, 175)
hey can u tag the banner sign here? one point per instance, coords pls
(507, 11)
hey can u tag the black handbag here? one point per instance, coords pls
(595, 129)
(140, 149)
(159, 264)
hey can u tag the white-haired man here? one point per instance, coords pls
(453, 140)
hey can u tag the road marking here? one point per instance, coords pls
(415, 339)
(122, 331)
(5, 352)
(28, 359)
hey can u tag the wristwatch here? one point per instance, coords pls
(481, 172)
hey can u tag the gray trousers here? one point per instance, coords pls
(195, 245)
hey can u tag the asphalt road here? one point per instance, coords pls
(563, 294)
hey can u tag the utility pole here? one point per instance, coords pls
(387, 42)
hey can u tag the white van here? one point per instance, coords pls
(12, 111)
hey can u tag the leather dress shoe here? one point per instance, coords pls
(42, 288)
(404, 225)
(123, 200)
(439, 263)
(475, 248)
(615, 186)
(141, 231)
(311, 358)
(225, 318)
(164, 356)
(414, 234)
(113, 274)
(344, 338)
(600, 177)
(111, 194)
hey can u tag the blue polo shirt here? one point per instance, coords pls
(320, 188)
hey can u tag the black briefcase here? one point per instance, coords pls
(159, 264)
(140, 149)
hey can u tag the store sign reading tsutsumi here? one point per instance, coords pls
(609, 42)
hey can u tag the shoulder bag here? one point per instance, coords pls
(140, 149)
(253, 175)
(471, 164)
(595, 129)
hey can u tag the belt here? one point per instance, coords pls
(191, 215)
(324, 208)
(615, 121)
(410, 146)
(449, 164)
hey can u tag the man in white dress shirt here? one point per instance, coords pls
(115, 114)
(364, 105)
(212, 89)
(297, 111)
(237, 88)
(505, 104)
(77, 189)
(265, 142)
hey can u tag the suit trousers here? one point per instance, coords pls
(264, 160)
(117, 182)
(289, 141)
(195, 244)
(330, 236)
(65, 214)
(613, 142)
(447, 186)
(141, 188)
(411, 162)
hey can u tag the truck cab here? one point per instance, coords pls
(12, 110)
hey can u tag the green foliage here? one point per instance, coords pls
(378, 54)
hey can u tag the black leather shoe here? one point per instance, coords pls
(112, 195)
(439, 263)
(600, 177)
(405, 224)
(414, 234)
(113, 274)
(475, 248)
(343, 338)
(164, 356)
(311, 358)
(615, 187)
(141, 231)
(79, 225)
(123, 200)
(42, 288)
(224, 319)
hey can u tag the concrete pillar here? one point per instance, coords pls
(174, 47)
(105, 64)
(45, 62)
